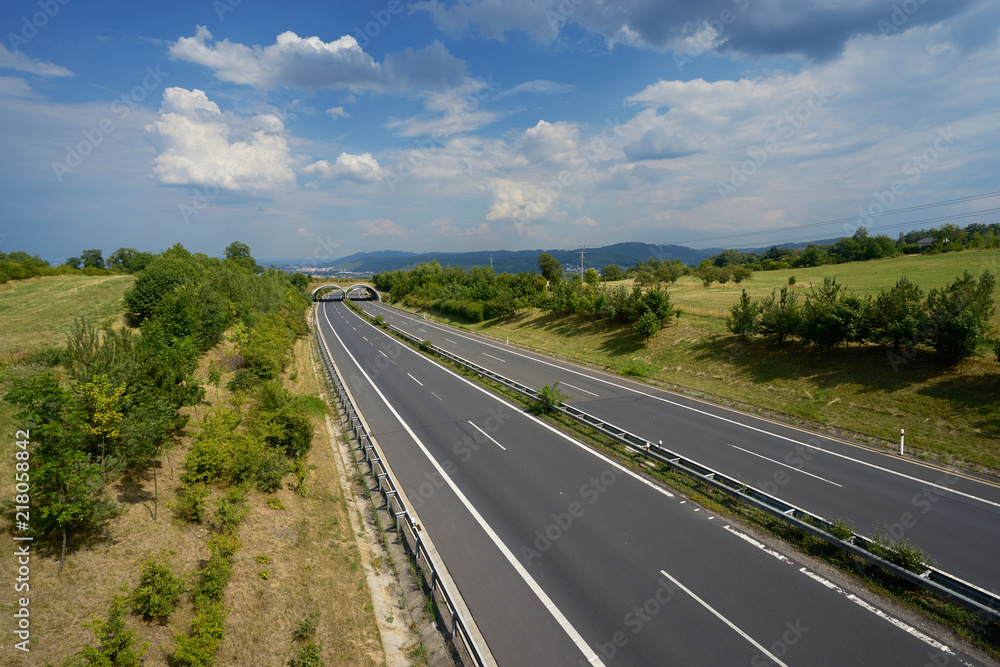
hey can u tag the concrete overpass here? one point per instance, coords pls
(369, 293)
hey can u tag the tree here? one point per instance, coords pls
(960, 314)
(741, 273)
(612, 272)
(92, 259)
(647, 326)
(66, 484)
(591, 276)
(744, 317)
(116, 644)
(239, 253)
(73, 262)
(897, 315)
(159, 279)
(129, 260)
(549, 397)
(550, 268)
(780, 315)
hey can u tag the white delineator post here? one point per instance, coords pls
(902, 434)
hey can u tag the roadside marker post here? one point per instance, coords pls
(902, 434)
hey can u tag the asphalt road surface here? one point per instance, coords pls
(564, 557)
(954, 517)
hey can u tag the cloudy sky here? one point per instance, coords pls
(313, 129)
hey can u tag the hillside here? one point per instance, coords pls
(293, 544)
(949, 411)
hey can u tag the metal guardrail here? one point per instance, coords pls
(403, 518)
(979, 600)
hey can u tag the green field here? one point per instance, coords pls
(864, 278)
(36, 313)
(950, 412)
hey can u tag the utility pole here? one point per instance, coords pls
(582, 253)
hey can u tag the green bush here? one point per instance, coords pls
(309, 655)
(307, 627)
(243, 380)
(901, 553)
(231, 510)
(213, 580)
(191, 502)
(273, 468)
(199, 646)
(116, 645)
(225, 545)
(158, 591)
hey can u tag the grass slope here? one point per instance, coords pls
(863, 278)
(35, 313)
(315, 562)
(950, 412)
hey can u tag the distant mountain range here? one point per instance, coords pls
(515, 261)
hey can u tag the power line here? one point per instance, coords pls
(834, 221)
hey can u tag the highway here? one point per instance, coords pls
(954, 517)
(564, 557)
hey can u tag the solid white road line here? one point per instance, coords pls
(760, 545)
(822, 479)
(508, 554)
(724, 619)
(930, 641)
(416, 380)
(567, 384)
(633, 390)
(488, 436)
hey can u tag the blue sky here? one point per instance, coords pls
(315, 130)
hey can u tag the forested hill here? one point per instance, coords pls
(624, 254)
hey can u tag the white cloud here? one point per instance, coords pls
(382, 227)
(537, 87)
(12, 86)
(586, 220)
(338, 112)
(19, 61)
(452, 111)
(311, 63)
(348, 167)
(443, 227)
(197, 146)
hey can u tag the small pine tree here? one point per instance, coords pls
(116, 645)
(744, 317)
